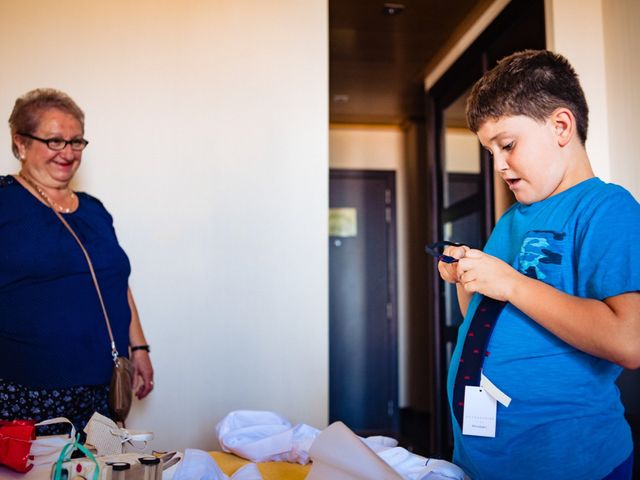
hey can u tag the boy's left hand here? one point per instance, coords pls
(490, 276)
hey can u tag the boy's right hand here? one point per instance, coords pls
(449, 271)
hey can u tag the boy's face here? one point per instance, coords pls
(527, 156)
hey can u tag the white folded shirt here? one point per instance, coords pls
(262, 436)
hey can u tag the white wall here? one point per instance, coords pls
(366, 147)
(462, 152)
(381, 147)
(601, 39)
(575, 30)
(622, 61)
(208, 129)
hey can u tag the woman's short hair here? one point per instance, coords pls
(532, 83)
(29, 107)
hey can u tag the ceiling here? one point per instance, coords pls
(377, 62)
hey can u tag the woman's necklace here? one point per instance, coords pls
(46, 197)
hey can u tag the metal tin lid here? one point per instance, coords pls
(120, 466)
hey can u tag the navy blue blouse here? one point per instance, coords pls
(52, 330)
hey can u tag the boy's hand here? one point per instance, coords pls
(449, 271)
(490, 276)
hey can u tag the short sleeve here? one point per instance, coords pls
(607, 240)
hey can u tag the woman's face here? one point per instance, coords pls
(51, 168)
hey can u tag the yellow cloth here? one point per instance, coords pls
(229, 463)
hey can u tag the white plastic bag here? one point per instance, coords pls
(46, 449)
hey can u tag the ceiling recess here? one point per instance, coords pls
(392, 8)
(378, 52)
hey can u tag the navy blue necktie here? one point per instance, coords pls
(474, 351)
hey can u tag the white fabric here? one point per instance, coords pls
(441, 469)
(378, 443)
(409, 465)
(199, 465)
(416, 467)
(262, 436)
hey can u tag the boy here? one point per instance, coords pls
(564, 277)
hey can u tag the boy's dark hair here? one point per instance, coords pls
(532, 83)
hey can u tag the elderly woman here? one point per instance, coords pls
(55, 351)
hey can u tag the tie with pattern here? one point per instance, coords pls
(474, 351)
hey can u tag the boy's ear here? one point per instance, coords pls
(564, 124)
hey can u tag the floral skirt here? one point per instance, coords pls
(77, 404)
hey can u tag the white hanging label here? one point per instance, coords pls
(479, 417)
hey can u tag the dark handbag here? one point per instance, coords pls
(122, 377)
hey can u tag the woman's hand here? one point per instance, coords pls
(143, 378)
(143, 383)
(449, 271)
(490, 276)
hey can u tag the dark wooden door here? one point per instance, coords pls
(362, 305)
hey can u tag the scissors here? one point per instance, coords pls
(435, 250)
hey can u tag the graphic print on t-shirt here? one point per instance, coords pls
(541, 255)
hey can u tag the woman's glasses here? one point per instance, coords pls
(58, 144)
(435, 250)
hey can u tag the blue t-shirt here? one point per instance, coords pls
(52, 329)
(565, 419)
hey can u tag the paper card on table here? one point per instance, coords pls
(339, 454)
